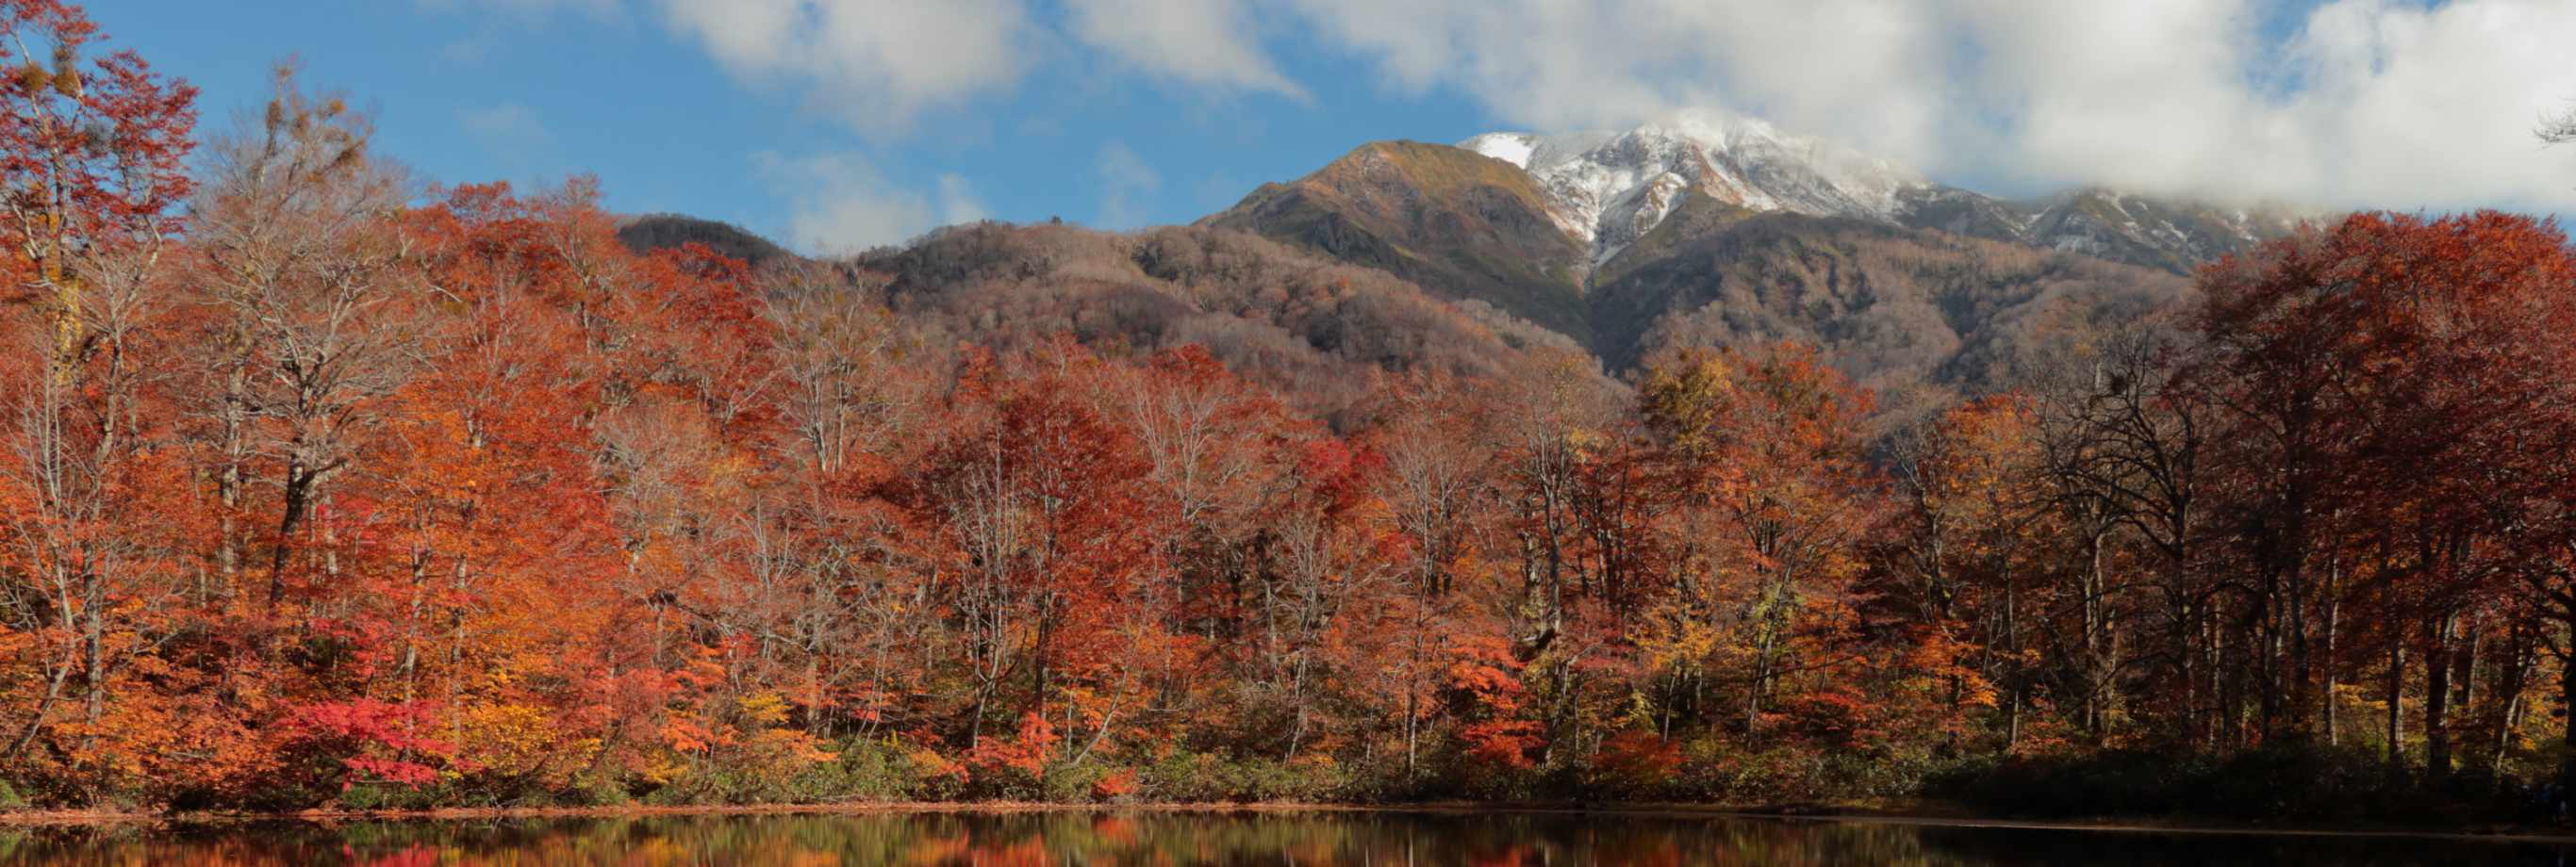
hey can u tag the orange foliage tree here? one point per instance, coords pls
(345, 493)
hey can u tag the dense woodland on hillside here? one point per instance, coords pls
(317, 489)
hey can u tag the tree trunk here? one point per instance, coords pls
(2397, 705)
(2567, 698)
(2334, 618)
(298, 488)
(2437, 696)
(228, 482)
(94, 641)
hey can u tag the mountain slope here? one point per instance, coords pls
(1314, 328)
(2169, 234)
(1920, 317)
(1709, 230)
(1458, 223)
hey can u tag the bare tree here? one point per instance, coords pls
(2558, 127)
(301, 262)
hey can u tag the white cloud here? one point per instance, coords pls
(876, 65)
(1209, 43)
(873, 63)
(957, 201)
(2371, 102)
(2389, 103)
(1123, 177)
(839, 203)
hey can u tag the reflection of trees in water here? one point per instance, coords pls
(1039, 838)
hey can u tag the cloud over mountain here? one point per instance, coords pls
(2400, 104)
(2348, 103)
(840, 203)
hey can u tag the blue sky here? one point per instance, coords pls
(469, 93)
(833, 124)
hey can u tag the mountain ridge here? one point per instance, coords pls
(1613, 187)
(1622, 245)
(1434, 215)
(1728, 232)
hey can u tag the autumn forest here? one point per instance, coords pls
(324, 487)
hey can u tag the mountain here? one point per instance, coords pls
(2171, 234)
(1703, 230)
(1920, 317)
(1610, 189)
(1442, 217)
(1708, 229)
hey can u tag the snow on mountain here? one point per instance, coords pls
(1608, 189)
(1612, 188)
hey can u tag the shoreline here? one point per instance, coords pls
(1916, 815)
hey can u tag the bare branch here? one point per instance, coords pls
(2557, 128)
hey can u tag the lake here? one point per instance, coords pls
(1393, 838)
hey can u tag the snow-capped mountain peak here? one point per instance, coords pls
(1611, 188)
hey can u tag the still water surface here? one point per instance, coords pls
(1390, 838)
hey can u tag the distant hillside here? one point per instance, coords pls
(2167, 234)
(1313, 327)
(661, 231)
(1920, 317)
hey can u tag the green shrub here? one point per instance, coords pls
(1072, 784)
(1205, 777)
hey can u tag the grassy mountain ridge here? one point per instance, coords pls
(1461, 224)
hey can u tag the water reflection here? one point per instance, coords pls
(1201, 838)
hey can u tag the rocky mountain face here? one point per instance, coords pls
(1610, 189)
(1707, 229)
